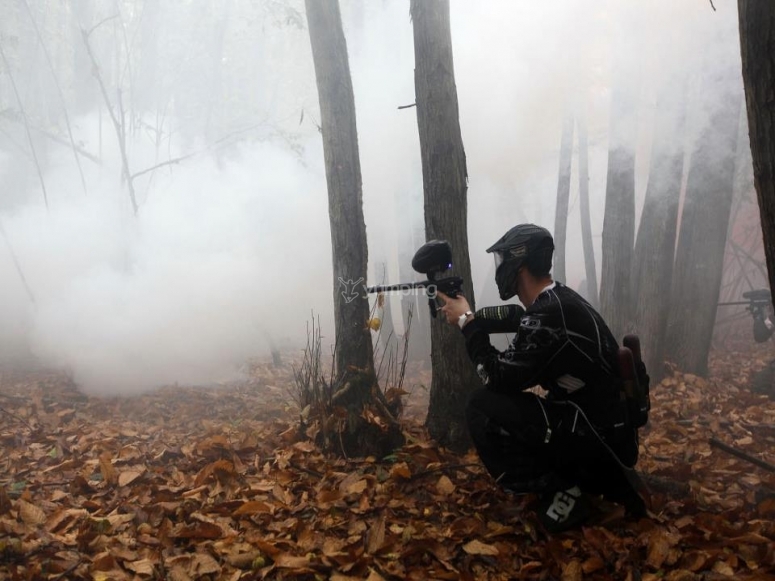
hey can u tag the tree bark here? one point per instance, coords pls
(343, 177)
(704, 222)
(590, 292)
(354, 358)
(563, 198)
(652, 271)
(757, 47)
(444, 186)
(619, 216)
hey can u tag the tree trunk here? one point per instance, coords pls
(444, 186)
(590, 291)
(619, 216)
(563, 197)
(652, 271)
(704, 222)
(757, 44)
(354, 352)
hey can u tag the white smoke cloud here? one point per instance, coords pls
(220, 257)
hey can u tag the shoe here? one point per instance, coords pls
(563, 510)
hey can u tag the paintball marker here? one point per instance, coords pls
(432, 259)
(757, 303)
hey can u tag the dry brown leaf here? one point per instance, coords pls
(592, 564)
(126, 477)
(374, 576)
(355, 487)
(658, 549)
(680, 575)
(106, 469)
(178, 573)
(723, 568)
(31, 514)
(572, 571)
(445, 486)
(253, 507)
(204, 564)
(400, 470)
(477, 547)
(288, 561)
(694, 560)
(200, 530)
(376, 536)
(141, 567)
(117, 520)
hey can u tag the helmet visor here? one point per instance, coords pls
(500, 256)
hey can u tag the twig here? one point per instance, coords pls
(64, 574)
(443, 468)
(740, 454)
(120, 134)
(309, 471)
(128, 65)
(740, 250)
(11, 115)
(162, 164)
(59, 90)
(18, 145)
(17, 264)
(407, 106)
(26, 125)
(100, 23)
(712, 6)
(13, 415)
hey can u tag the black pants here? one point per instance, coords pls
(530, 444)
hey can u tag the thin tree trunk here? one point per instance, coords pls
(444, 186)
(619, 216)
(343, 176)
(20, 103)
(704, 223)
(757, 44)
(62, 101)
(652, 271)
(354, 359)
(118, 123)
(586, 224)
(563, 198)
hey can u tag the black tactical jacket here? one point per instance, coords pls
(561, 344)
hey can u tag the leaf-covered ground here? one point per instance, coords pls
(211, 483)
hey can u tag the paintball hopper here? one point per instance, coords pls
(432, 258)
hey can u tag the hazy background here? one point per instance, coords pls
(231, 246)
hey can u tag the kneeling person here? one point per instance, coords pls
(578, 439)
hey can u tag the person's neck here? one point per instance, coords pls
(532, 287)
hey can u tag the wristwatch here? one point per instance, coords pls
(463, 319)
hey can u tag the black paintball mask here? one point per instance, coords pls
(525, 245)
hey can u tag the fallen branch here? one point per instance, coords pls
(444, 468)
(740, 454)
(14, 416)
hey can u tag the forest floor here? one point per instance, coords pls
(212, 483)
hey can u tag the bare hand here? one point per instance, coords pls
(453, 308)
